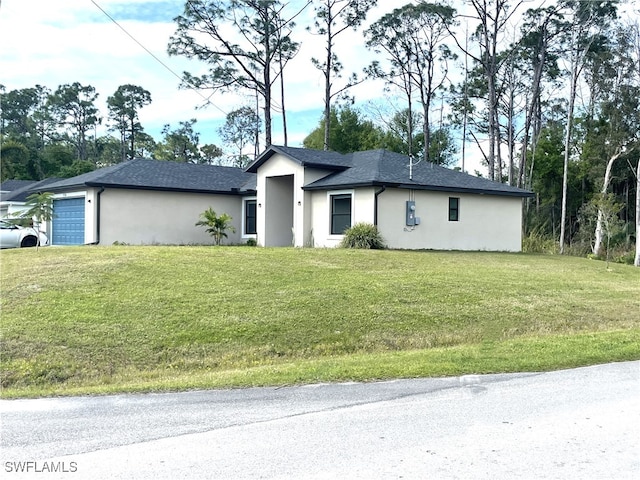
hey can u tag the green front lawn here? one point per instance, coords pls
(112, 319)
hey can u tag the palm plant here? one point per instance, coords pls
(217, 226)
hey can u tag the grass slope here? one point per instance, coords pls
(112, 319)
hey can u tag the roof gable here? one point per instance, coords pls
(304, 156)
(164, 175)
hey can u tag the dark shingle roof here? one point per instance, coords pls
(161, 175)
(21, 194)
(384, 168)
(304, 156)
(11, 185)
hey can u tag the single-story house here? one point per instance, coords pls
(308, 197)
(290, 196)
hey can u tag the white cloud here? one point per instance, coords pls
(49, 45)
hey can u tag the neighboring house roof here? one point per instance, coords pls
(389, 169)
(21, 194)
(11, 185)
(148, 174)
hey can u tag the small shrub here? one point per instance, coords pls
(363, 235)
(251, 242)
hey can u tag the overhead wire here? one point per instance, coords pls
(155, 57)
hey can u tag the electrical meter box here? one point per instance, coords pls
(411, 214)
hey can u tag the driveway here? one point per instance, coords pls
(572, 424)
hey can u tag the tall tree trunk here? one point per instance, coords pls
(605, 186)
(268, 57)
(539, 64)
(284, 110)
(493, 115)
(267, 108)
(637, 260)
(256, 148)
(132, 140)
(535, 99)
(426, 125)
(491, 159)
(567, 149)
(466, 98)
(327, 113)
(499, 162)
(327, 87)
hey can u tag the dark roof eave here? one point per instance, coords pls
(478, 191)
(346, 185)
(324, 166)
(234, 191)
(435, 188)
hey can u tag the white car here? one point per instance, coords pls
(15, 236)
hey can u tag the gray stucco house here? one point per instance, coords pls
(147, 202)
(290, 196)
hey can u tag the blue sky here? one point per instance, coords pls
(52, 43)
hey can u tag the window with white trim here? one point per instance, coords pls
(340, 212)
(250, 217)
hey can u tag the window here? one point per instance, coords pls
(454, 209)
(340, 213)
(250, 217)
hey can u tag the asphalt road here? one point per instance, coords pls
(572, 424)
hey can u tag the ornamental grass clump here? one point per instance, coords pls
(363, 235)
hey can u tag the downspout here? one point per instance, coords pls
(97, 242)
(375, 205)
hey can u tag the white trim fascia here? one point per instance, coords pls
(77, 194)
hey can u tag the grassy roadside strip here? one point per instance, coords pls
(535, 354)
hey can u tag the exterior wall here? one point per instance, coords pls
(362, 210)
(12, 209)
(148, 217)
(486, 222)
(310, 175)
(284, 213)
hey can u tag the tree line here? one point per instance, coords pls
(549, 96)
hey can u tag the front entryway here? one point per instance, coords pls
(279, 211)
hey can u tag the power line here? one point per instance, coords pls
(206, 99)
